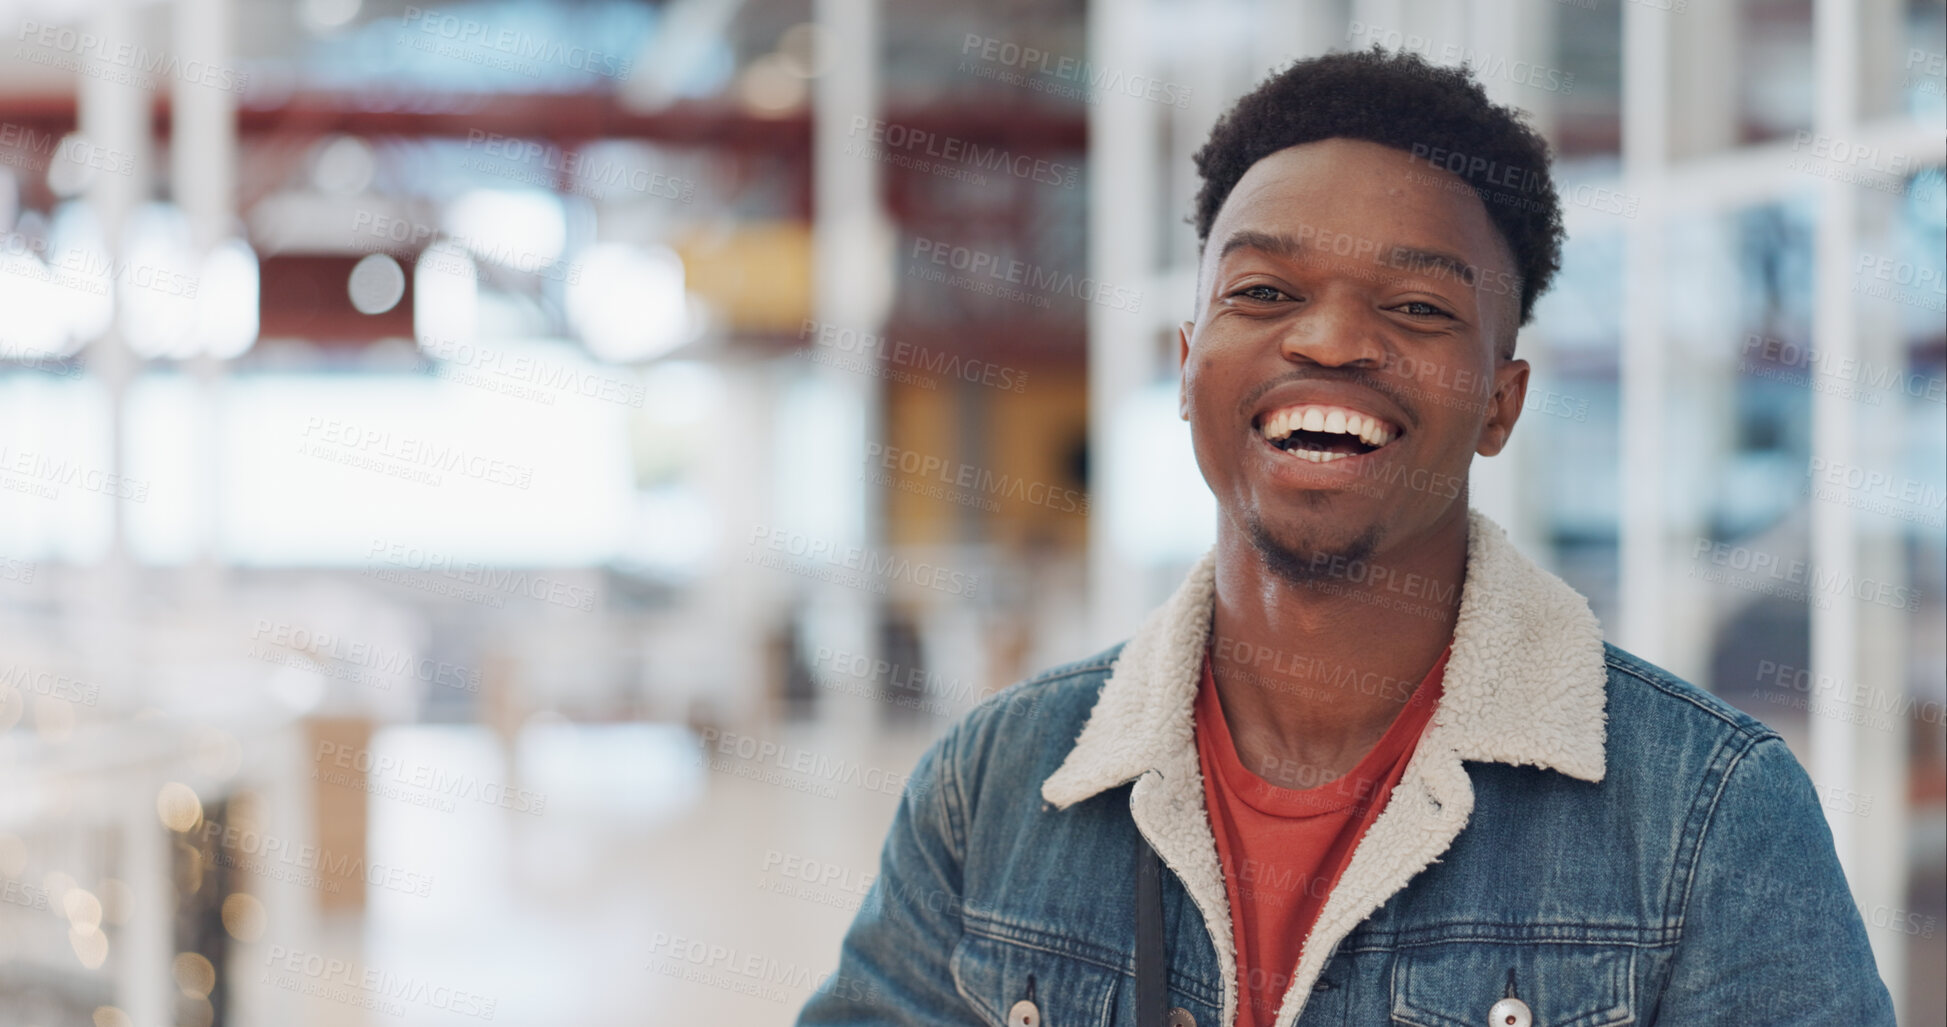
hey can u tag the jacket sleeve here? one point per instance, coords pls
(893, 964)
(1770, 932)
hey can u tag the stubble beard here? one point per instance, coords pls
(1311, 565)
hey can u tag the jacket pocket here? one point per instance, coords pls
(994, 974)
(1454, 984)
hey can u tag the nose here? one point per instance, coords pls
(1335, 332)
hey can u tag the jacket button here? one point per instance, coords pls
(1024, 1014)
(1180, 1017)
(1510, 1012)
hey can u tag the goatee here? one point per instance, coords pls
(1312, 565)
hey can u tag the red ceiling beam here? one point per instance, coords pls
(571, 118)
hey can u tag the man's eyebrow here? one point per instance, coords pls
(1412, 258)
(1270, 242)
(1406, 258)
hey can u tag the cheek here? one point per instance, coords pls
(1199, 378)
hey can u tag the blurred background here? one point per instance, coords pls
(495, 496)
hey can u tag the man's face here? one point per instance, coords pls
(1344, 365)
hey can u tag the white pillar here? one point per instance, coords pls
(1835, 628)
(1847, 757)
(1123, 192)
(202, 176)
(852, 270)
(1646, 151)
(115, 114)
(1502, 486)
(143, 985)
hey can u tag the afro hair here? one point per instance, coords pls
(1397, 99)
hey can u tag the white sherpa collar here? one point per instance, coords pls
(1526, 684)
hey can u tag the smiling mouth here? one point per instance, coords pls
(1323, 433)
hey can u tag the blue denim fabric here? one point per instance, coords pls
(1696, 884)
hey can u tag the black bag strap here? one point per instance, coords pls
(1152, 963)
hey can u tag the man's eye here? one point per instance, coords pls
(1421, 308)
(1264, 293)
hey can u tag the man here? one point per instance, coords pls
(1390, 768)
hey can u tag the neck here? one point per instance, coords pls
(1310, 674)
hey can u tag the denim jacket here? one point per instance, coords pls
(1616, 844)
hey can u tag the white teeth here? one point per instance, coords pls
(1369, 430)
(1337, 420)
(1317, 456)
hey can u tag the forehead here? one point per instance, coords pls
(1371, 196)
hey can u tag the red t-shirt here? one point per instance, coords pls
(1283, 849)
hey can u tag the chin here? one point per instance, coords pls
(1301, 556)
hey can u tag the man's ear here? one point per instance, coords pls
(1182, 361)
(1504, 407)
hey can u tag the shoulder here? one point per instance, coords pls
(1016, 737)
(1046, 702)
(1664, 732)
(1641, 692)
